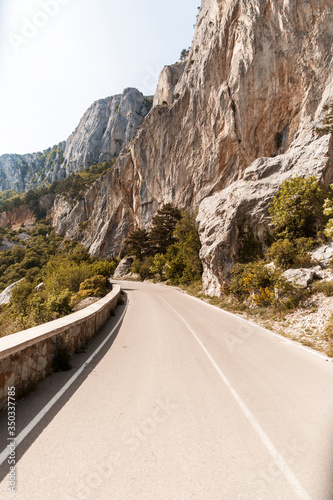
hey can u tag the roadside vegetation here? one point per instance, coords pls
(299, 222)
(300, 219)
(56, 275)
(169, 251)
(72, 188)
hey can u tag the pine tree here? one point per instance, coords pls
(163, 226)
(138, 244)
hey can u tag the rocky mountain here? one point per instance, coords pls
(25, 172)
(228, 126)
(106, 127)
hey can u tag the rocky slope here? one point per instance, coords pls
(106, 127)
(24, 172)
(18, 216)
(227, 127)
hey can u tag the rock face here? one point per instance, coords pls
(106, 209)
(24, 172)
(228, 126)
(6, 294)
(106, 127)
(167, 82)
(18, 216)
(323, 255)
(123, 269)
(223, 217)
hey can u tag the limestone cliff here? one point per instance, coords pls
(17, 217)
(25, 172)
(228, 126)
(106, 127)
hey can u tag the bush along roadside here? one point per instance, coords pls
(53, 276)
(258, 288)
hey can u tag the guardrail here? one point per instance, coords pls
(28, 356)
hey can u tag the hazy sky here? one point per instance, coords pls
(59, 56)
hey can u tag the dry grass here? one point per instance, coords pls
(275, 318)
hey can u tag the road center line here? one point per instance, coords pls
(277, 457)
(23, 434)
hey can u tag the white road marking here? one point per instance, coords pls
(23, 434)
(277, 457)
(289, 341)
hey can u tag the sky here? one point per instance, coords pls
(59, 56)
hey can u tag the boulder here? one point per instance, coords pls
(6, 294)
(301, 277)
(123, 268)
(6, 245)
(323, 255)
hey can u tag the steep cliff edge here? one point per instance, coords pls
(241, 113)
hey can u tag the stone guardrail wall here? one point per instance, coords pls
(28, 356)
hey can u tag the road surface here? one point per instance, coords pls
(183, 402)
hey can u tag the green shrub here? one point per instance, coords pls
(286, 253)
(20, 297)
(104, 267)
(63, 273)
(324, 286)
(61, 266)
(283, 253)
(58, 305)
(297, 208)
(143, 268)
(183, 263)
(249, 246)
(265, 297)
(287, 294)
(158, 266)
(98, 284)
(247, 279)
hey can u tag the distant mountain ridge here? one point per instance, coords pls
(106, 127)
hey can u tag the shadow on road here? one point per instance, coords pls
(29, 407)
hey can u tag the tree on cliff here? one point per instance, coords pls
(184, 53)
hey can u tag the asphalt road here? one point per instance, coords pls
(184, 401)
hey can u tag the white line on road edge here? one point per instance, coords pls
(23, 434)
(278, 459)
(287, 341)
